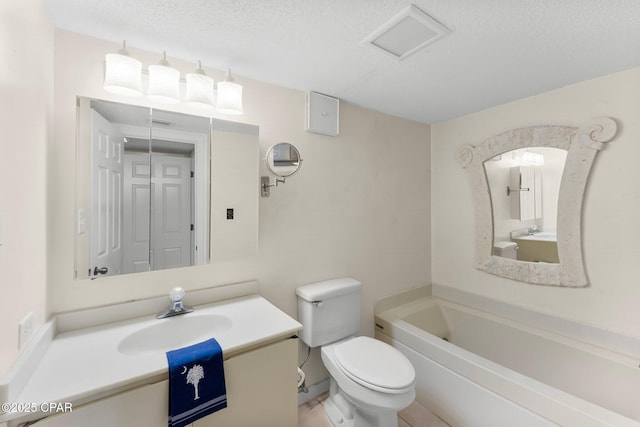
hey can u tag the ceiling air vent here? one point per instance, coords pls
(406, 33)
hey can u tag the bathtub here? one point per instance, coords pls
(476, 368)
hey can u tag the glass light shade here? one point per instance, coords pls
(199, 90)
(528, 158)
(229, 98)
(164, 84)
(122, 75)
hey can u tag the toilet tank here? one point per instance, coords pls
(329, 310)
(506, 250)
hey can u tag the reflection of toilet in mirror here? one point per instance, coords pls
(506, 250)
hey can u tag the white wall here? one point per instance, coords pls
(611, 205)
(26, 81)
(359, 206)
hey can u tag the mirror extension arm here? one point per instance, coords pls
(265, 184)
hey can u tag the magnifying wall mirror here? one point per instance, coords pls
(516, 235)
(283, 160)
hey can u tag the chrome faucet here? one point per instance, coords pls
(176, 307)
(533, 229)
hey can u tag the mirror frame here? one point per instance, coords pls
(270, 165)
(582, 145)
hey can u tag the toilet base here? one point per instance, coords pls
(342, 413)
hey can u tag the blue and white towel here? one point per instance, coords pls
(196, 382)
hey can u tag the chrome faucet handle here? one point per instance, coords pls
(176, 307)
(176, 294)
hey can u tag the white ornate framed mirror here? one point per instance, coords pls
(581, 145)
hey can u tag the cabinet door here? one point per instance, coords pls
(142, 407)
(261, 389)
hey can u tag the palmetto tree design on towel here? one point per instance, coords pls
(195, 374)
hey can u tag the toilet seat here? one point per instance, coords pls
(375, 365)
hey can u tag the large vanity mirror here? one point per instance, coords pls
(527, 186)
(143, 192)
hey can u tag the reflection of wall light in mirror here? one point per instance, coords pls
(164, 82)
(528, 158)
(122, 73)
(199, 89)
(229, 96)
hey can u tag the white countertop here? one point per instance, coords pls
(543, 236)
(81, 365)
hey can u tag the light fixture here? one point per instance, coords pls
(123, 76)
(164, 82)
(525, 157)
(229, 96)
(122, 73)
(199, 88)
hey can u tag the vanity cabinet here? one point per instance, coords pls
(537, 250)
(261, 391)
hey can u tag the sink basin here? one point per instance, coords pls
(547, 236)
(174, 332)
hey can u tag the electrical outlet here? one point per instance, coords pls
(25, 329)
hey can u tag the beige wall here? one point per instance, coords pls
(359, 206)
(611, 206)
(26, 81)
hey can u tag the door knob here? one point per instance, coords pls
(102, 270)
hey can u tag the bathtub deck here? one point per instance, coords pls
(311, 414)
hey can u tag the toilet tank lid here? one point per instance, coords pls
(328, 289)
(505, 245)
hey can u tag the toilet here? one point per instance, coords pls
(506, 250)
(370, 381)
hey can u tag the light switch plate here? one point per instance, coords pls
(81, 221)
(25, 329)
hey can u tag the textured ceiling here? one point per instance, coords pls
(497, 51)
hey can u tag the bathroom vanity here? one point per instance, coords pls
(538, 247)
(260, 391)
(116, 373)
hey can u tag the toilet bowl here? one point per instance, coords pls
(370, 381)
(372, 376)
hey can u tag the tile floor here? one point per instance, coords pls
(311, 414)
